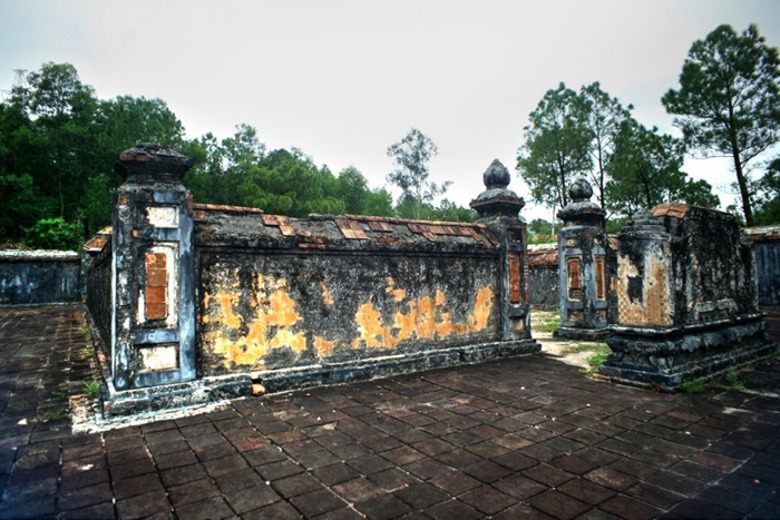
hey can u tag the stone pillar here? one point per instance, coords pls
(498, 209)
(582, 260)
(153, 308)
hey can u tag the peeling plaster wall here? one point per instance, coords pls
(276, 311)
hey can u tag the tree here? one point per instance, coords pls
(601, 117)
(729, 100)
(62, 111)
(556, 147)
(646, 171)
(411, 156)
(768, 198)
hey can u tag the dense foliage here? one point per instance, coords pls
(589, 133)
(728, 103)
(59, 141)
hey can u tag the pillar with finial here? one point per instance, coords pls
(153, 322)
(498, 209)
(582, 260)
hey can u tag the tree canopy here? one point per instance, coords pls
(411, 155)
(59, 141)
(728, 102)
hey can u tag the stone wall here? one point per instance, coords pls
(543, 282)
(766, 244)
(212, 301)
(687, 298)
(39, 277)
(278, 295)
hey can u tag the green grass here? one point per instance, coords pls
(596, 360)
(52, 416)
(732, 378)
(87, 352)
(692, 386)
(547, 323)
(91, 387)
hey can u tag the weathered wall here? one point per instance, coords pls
(766, 245)
(543, 283)
(275, 311)
(279, 293)
(99, 286)
(687, 297)
(206, 301)
(35, 277)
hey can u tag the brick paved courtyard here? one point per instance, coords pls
(521, 438)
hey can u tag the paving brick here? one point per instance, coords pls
(137, 485)
(214, 507)
(317, 502)
(586, 491)
(357, 490)
(453, 509)
(558, 505)
(296, 485)
(250, 498)
(335, 473)
(487, 471)
(94, 512)
(611, 478)
(276, 511)
(630, 509)
(279, 470)
(697, 471)
(457, 458)
(370, 464)
(716, 460)
(523, 511)
(225, 465)
(573, 464)
(520, 487)
(488, 500)
(174, 460)
(144, 505)
(393, 479)
(422, 495)
(83, 497)
(454, 482)
(183, 474)
(654, 495)
(548, 475)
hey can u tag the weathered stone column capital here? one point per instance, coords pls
(152, 163)
(497, 202)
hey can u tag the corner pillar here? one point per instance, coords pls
(153, 311)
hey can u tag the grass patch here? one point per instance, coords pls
(692, 386)
(732, 378)
(596, 360)
(547, 323)
(91, 387)
(51, 415)
(88, 352)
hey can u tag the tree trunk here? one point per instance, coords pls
(741, 180)
(743, 189)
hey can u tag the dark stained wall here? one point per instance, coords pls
(38, 277)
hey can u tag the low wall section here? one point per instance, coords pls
(39, 277)
(197, 302)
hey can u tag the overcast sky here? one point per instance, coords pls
(342, 80)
